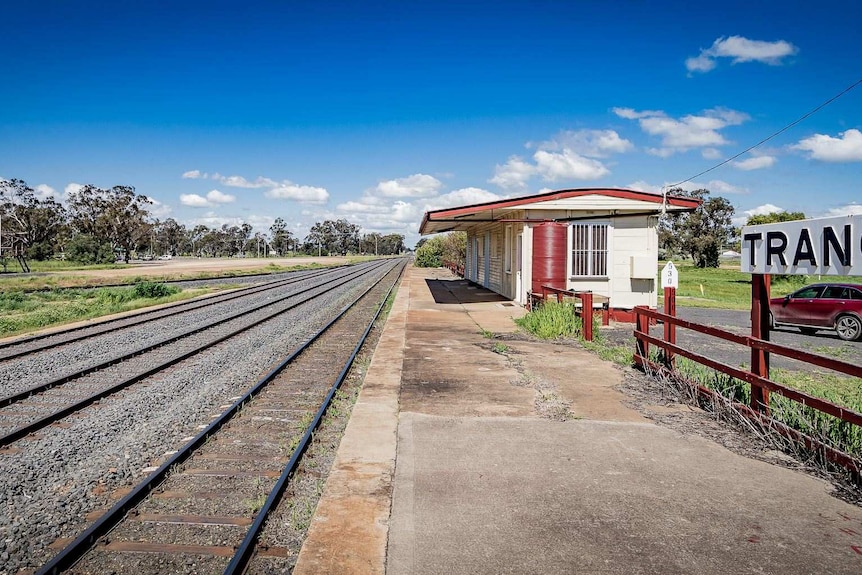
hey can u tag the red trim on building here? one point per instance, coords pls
(447, 213)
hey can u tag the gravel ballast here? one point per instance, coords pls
(52, 481)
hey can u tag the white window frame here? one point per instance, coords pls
(591, 272)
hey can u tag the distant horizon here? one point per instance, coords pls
(224, 113)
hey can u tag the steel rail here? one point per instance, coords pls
(246, 550)
(143, 317)
(21, 395)
(55, 416)
(74, 551)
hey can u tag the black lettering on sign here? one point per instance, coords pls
(751, 238)
(830, 239)
(804, 249)
(776, 249)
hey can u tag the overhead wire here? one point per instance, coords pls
(771, 136)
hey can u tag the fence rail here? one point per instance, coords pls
(760, 402)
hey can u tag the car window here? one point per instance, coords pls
(855, 293)
(835, 292)
(808, 292)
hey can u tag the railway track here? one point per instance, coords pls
(36, 407)
(35, 343)
(203, 509)
(57, 477)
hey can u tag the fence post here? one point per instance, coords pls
(669, 328)
(641, 346)
(760, 284)
(587, 315)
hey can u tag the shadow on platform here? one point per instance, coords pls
(461, 291)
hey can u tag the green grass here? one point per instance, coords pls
(21, 312)
(728, 288)
(66, 277)
(552, 320)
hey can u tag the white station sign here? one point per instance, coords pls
(822, 246)
(669, 276)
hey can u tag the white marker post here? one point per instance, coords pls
(669, 281)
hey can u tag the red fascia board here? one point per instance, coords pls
(446, 213)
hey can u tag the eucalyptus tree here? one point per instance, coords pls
(282, 238)
(700, 234)
(38, 225)
(333, 237)
(117, 215)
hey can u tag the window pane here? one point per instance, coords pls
(809, 292)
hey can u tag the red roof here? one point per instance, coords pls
(679, 203)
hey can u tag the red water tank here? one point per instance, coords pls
(550, 248)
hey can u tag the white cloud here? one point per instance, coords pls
(462, 197)
(590, 143)
(755, 163)
(368, 205)
(217, 197)
(765, 209)
(375, 213)
(715, 187)
(159, 209)
(212, 220)
(194, 175)
(306, 194)
(567, 165)
(846, 148)
(213, 198)
(686, 133)
(851, 209)
(415, 186)
(741, 49)
(711, 154)
(240, 182)
(44, 191)
(194, 201)
(513, 175)
(642, 186)
(720, 188)
(630, 114)
(570, 155)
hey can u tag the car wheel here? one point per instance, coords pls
(849, 327)
(771, 321)
(808, 330)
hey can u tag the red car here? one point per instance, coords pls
(821, 306)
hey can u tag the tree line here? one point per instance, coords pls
(102, 225)
(705, 233)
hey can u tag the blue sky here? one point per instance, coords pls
(224, 112)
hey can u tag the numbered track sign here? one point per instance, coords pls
(669, 276)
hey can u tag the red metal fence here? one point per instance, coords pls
(757, 377)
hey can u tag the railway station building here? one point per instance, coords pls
(603, 240)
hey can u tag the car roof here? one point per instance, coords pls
(837, 284)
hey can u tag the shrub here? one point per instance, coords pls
(154, 290)
(86, 249)
(443, 248)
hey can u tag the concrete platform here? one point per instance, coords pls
(461, 459)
